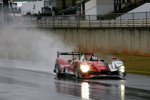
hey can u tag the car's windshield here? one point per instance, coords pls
(93, 58)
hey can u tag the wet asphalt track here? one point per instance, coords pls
(18, 84)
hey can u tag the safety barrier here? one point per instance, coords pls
(91, 21)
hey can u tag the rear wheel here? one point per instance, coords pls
(65, 72)
(58, 72)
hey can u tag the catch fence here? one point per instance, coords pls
(91, 21)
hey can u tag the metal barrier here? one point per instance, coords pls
(91, 21)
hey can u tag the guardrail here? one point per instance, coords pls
(120, 20)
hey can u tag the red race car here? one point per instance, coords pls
(87, 65)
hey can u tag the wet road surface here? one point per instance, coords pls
(21, 84)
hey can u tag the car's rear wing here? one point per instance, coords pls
(72, 53)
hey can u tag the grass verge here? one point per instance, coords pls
(136, 64)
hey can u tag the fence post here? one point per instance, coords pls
(89, 22)
(146, 19)
(121, 21)
(76, 21)
(100, 24)
(79, 22)
(45, 22)
(31, 20)
(61, 20)
(109, 21)
(70, 21)
(53, 21)
(133, 18)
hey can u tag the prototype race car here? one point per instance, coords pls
(87, 65)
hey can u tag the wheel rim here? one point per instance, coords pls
(121, 75)
(56, 70)
(76, 74)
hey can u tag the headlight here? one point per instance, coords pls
(122, 69)
(84, 68)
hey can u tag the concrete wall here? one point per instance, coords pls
(135, 41)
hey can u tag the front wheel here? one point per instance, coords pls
(122, 75)
(77, 73)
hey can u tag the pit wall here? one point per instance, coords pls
(132, 41)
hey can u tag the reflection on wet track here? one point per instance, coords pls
(85, 92)
(18, 84)
(100, 89)
(87, 89)
(122, 91)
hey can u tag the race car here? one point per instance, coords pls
(87, 65)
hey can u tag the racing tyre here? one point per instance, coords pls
(58, 73)
(77, 74)
(121, 75)
(65, 72)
